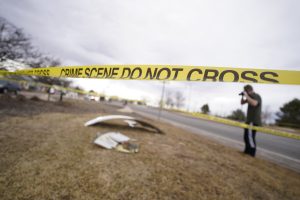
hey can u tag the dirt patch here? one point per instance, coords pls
(47, 153)
(35, 98)
(20, 97)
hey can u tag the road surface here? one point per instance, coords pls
(283, 151)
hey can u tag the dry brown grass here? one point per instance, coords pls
(47, 153)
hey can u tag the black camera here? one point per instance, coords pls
(241, 94)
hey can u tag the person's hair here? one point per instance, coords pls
(248, 88)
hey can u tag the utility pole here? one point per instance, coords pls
(189, 96)
(161, 100)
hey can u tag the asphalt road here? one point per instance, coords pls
(283, 151)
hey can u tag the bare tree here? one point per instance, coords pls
(145, 100)
(266, 115)
(45, 61)
(16, 45)
(170, 99)
(179, 99)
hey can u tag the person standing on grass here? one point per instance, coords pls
(253, 117)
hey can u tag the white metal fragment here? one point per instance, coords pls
(111, 139)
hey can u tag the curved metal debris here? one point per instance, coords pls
(131, 121)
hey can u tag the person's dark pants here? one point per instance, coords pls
(250, 142)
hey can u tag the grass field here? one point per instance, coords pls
(47, 153)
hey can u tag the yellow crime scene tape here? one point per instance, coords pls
(175, 73)
(243, 125)
(167, 72)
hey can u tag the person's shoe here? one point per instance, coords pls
(252, 155)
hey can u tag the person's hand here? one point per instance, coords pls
(245, 94)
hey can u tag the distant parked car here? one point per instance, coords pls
(8, 87)
(89, 98)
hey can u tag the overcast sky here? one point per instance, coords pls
(253, 33)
